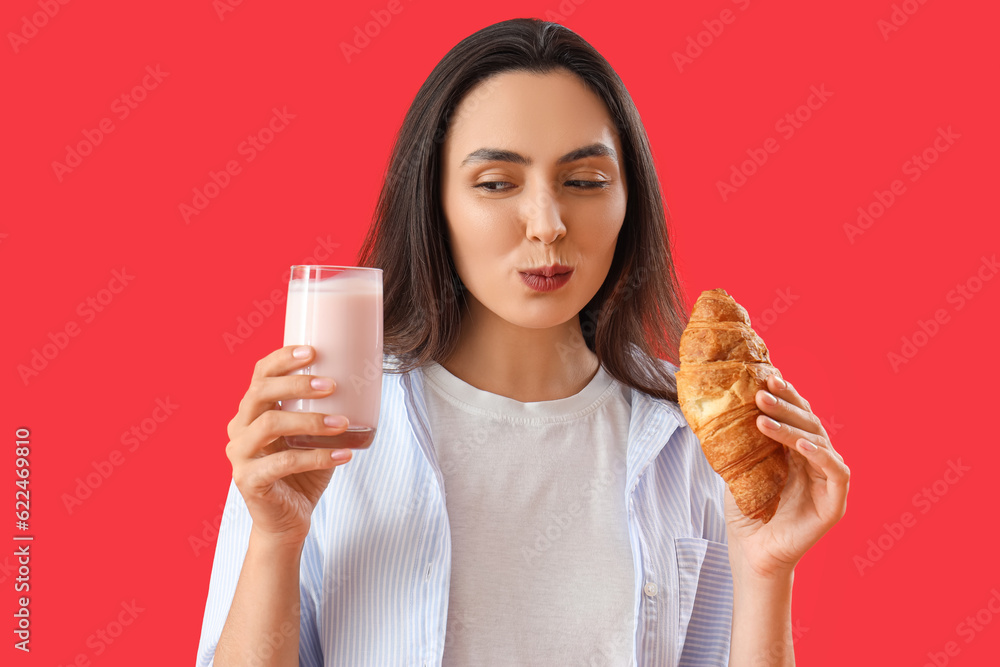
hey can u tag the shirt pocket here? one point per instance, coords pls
(705, 601)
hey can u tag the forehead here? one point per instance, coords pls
(532, 113)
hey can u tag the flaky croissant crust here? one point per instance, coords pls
(723, 363)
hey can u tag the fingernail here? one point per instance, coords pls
(335, 421)
(340, 454)
(301, 352)
(779, 383)
(769, 398)
(807, 447)
(770, 423)
(321, 384)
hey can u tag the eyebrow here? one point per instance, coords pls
(501, 155)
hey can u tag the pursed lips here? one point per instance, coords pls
(549, 271)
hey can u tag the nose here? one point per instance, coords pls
(543, 221)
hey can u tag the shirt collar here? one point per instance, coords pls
(652, 424)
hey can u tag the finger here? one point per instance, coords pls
(264, 392)
(278, 363)
(787, 434)
(261, 473)
(784, 390)
(268, 390)
(272, 424)
(783, 411)
(831, 467)
(283, 360)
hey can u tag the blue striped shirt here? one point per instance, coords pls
(375, 569)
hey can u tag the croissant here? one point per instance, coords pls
(723, 362)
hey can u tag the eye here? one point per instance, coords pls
(493, 186)
(487, 185)
(589, 185)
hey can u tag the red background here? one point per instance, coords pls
(783, 231)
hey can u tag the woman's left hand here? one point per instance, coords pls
(814, 497)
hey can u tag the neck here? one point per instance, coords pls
(523, 364)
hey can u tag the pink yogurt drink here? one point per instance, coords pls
(338, 311)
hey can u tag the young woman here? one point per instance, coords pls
(534, 495)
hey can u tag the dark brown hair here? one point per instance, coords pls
(637, 315)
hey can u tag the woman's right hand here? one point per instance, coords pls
(281, 485)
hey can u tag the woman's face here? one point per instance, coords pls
(531, 178)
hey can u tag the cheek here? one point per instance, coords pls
(602, 225)
(479, 239)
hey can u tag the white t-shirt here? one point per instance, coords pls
(542, 570)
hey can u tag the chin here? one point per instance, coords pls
(540, 315)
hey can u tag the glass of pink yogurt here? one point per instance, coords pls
(338, 311)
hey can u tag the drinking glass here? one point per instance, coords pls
(338, 311)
